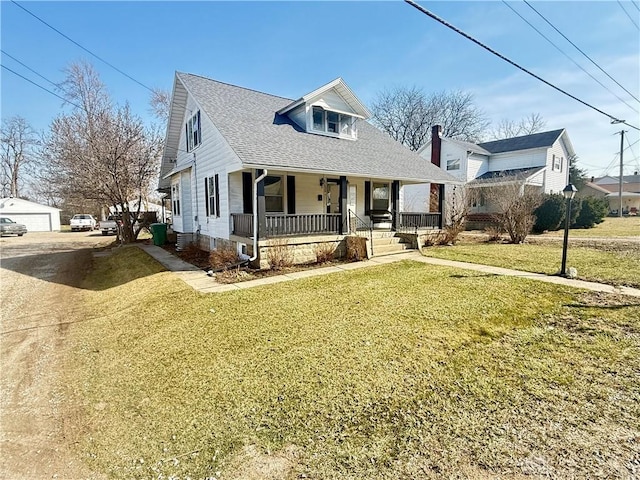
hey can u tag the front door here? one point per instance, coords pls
(333, 197)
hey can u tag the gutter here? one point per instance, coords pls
(255, 214)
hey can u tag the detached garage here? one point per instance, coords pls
(37, 218)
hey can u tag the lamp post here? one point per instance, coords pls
(569, 192)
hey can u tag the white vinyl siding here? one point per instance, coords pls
(556, 180)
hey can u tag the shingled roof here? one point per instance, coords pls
(261, 138)
(525, 142)
(513, 175)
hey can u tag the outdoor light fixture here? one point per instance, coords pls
(322, 182)
(569, 192)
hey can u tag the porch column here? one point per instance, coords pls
(262, 220)
(395, 204)
(441, 204)
(343, 204)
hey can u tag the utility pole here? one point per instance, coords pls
(620, 180)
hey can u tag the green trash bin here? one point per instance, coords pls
(159, 233)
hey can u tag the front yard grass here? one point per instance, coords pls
(400, 371)
(610, 227)
(610, 263)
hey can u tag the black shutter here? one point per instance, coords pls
(291, 194)
(186, 136)
(199, 129)
(367, 197)
(206, 195)
(247, 199)
(217, 196)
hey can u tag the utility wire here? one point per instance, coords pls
(499, 55)
(40, 86)
(571, 59)
(580, 50)
(635, 5)
(28, 68)
(83, 48)
(627, 13)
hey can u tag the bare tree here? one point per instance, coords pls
(407, 115)
(18, 141)
(100, 152)
(515, 203)
(532, 123)
(160, 104)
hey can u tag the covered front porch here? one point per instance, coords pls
(293, 205)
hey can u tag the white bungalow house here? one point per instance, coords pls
(247, 167)
(539, 161)
(36, 217)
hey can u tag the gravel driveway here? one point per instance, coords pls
(39, 275)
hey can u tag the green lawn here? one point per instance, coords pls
(610, 227)
(616, 265)
(390, 372)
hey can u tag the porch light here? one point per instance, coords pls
(569, 192)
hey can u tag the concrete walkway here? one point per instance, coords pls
(200, 281)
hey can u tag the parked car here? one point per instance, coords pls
(110, 225)
(83, 221)
(9, 227)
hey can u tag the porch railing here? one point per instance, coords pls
(283, 225)
(415, 220)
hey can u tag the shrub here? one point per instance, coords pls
(356, 248)
(325, 252)
(494, 232)
(550, 214)
(592, 212)
(279, 254)
(452, 231)
(224, 256)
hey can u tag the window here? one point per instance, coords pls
(453, 164)
(212, 196)
(557, 164)
(193, 132)
(175, 198)
(333, 122)
(380, 196)
(274, 194)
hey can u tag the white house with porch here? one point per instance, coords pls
(247, 167)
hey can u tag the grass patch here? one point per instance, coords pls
(606, 264)
(398, 371)
(610, 227)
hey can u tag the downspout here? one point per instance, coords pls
(255, 214)
(197, 219)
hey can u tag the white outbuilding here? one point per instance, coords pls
(37, 218)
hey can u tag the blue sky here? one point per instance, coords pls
(291, 48)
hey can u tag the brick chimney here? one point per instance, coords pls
(436, 144)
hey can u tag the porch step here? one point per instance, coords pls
(388, 244)
(390, 249)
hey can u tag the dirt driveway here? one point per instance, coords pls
(39, 275)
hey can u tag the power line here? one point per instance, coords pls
(40, 86)
(83, 48)
(635, 5)
(28, 68)
(571, 59)
(580, 50)
(627, 13)
(499, 55)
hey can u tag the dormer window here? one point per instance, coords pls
(336, 123)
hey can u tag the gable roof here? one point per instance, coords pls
(525, 142)
(513, 175)
(470, 147)
(14, 204)
(262, 138)
(343, 90)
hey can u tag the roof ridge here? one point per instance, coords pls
(559, 130)
(232, 85)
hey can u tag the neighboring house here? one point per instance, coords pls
(162, 215)
(630, 196)
(590, 189)
(538, 162)
(311, 166)
(36, 217)
(630, 183)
